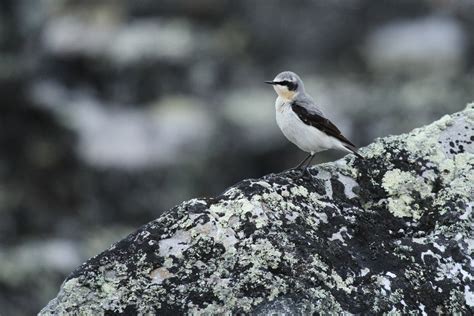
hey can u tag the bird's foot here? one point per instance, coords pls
(295, 172)
(304, 172)
(296, 169)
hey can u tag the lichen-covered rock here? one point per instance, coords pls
(389, 234)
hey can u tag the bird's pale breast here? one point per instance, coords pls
(307, 138)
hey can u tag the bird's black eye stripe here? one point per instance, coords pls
(291, 85)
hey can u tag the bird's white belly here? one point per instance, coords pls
(307, 138)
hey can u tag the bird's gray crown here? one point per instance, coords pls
(289, 79)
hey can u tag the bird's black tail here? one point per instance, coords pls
(354, 151)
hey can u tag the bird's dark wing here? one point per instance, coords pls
(321, 123)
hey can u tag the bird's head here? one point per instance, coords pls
(287, 84)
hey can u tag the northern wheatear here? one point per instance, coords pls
(302, 121)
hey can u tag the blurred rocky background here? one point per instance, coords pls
(113, 111)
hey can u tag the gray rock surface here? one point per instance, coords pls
(392, 233)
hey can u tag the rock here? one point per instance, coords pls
(72, 73)
(392, 233)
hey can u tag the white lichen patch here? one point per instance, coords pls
(385, 283)
(439, 247)
(452, 139)
(262, 183)
(291, 217)
(338, 235)
(448, 269)
(469, 296)
(364, 272)
(175, 245)
(467, 215)
(213, 229)
(325, 176)
(349, 184)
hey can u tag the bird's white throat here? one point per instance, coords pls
(284, 93)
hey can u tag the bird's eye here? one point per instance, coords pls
(290, 85)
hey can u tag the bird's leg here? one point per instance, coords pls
(305, 170)
(302, 163)
(309, 162)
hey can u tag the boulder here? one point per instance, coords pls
(389, 234)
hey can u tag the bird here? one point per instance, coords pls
(302, 121)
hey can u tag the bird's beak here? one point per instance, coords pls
(270, 82)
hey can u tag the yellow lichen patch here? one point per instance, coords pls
(342, 284)
(302, 191)
(424, 144)
(458, 176)
(236, 207)
(374, 150)
(266, 253)
(70, 284)
(400, 207)
(460, 166)
(108, 288)
(400, 185)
